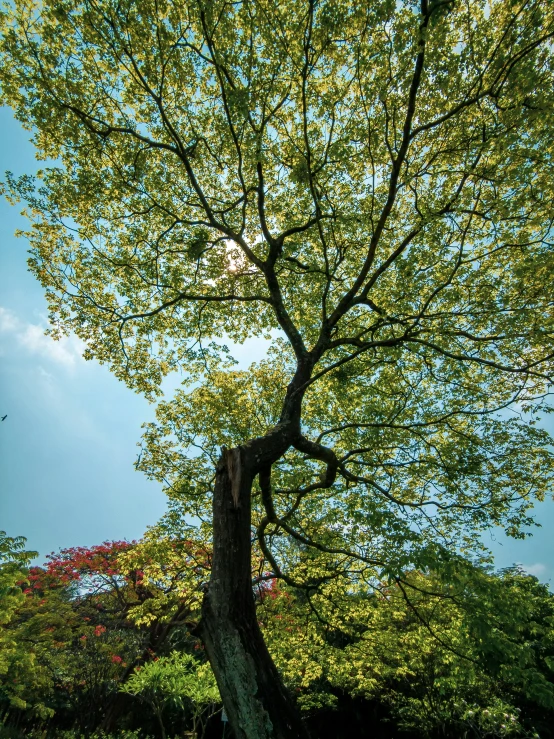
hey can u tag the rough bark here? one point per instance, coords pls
(255, 698)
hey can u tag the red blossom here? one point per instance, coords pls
(79, 563)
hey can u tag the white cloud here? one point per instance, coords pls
(8, 321)
(66, 351)
(538, 569)
(43, 373)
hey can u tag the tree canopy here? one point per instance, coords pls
(368, 186)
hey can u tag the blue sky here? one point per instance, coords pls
(68, 444)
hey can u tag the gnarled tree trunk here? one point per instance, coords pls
(255, 698)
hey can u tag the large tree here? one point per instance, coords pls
(368, 185)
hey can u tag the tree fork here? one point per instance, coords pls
(255, 698)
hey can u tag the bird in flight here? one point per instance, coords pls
(4, 417)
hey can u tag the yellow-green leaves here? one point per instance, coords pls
(14, 563)
(447, 651)
(178, 680)
(185, 130)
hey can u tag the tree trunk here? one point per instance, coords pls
(158, 712)
(255, 698)
(118, 705)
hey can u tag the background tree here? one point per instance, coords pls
(369, 186)
(167, 574)
(72, 644)
(81, 624)
(475, 662)
(14, 565)
(14, 569)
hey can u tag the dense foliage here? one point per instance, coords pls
(80, 627)
(479, 663)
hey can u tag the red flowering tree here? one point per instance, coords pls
(95, 569)
(90, 616)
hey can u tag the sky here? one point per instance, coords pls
(69, 441)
